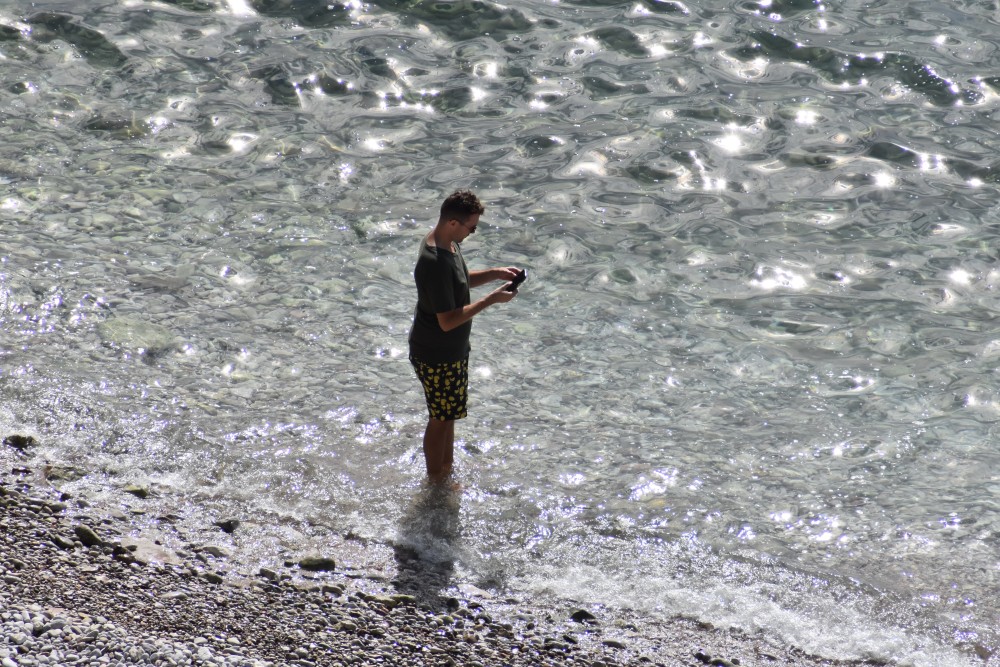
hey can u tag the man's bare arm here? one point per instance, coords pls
(478, 278)
(456, 318)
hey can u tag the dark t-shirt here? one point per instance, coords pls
(442, 284)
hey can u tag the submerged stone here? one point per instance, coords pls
(123, 128)
(62, 473)
(135, 334)
(228, 525)
(307, 13)
(318, 564)
(192, 5)
(9, 34)
(137, 491)
(91, 44)
(20, 442)
(215, 551)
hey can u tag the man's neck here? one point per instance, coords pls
(442, 237)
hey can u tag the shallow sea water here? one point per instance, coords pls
(751, 379)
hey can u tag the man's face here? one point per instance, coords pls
(469, 226)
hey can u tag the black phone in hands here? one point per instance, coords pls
(521, 276)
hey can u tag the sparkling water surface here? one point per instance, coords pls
(751, 379)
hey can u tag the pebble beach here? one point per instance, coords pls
(80, 586)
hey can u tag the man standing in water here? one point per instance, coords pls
(442, 322)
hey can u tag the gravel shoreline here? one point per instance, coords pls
(77, 588)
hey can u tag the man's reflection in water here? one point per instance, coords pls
(428, 543)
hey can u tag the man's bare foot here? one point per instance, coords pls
(445, 483)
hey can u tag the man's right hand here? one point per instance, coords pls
(501, 295)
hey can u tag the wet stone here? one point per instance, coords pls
(87, 536)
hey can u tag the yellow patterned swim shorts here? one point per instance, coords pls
(446, 387)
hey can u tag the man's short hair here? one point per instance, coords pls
(461, 205)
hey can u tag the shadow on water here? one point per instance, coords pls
(427, 545)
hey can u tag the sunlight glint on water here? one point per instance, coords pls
(752, 379)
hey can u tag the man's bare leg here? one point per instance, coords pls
(439, 448)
